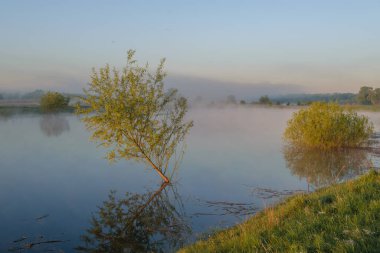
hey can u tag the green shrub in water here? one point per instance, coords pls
(53, 101)
(326, 126)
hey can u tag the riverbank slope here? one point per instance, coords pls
(340, 218)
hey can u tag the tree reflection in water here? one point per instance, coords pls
(5, 115)
(324, 167)
(150, 222)
(54, 124)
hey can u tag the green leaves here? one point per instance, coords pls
(53, 101)
(326, 126)
(130, 112)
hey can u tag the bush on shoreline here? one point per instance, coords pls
(340, 218)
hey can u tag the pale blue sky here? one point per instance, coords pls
(321, 45)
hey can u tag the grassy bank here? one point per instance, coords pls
(370, 108)
(339, 218)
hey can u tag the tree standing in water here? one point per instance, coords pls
(129, 112)
(53, 101)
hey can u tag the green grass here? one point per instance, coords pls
(339, 218)
(370, 108)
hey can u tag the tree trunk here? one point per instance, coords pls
(165, 178)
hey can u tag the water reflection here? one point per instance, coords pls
(54, 124)
(150, 222)
(321, 167)
(5, 115)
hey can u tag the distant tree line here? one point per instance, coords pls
(33, 95)
(49, 101)
(36, 94)
(265, 100)
(365, 96)
(368, 96)
(304, 99)
(295, 99)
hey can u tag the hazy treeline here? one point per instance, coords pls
(291, 99)
(366, 96)
(35, 95)
(306, 98)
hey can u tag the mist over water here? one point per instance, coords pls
(53, 179)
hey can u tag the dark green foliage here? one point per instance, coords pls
(340, 218)
(375, 96)
(265, 100)
(341, 98)
(364, 95)
(368, 96)
(327, 199)
(53, 101)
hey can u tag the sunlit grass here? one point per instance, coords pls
(339, 218)
(371, 108)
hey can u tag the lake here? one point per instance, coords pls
(53, 180)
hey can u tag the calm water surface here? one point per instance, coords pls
(53, 180)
